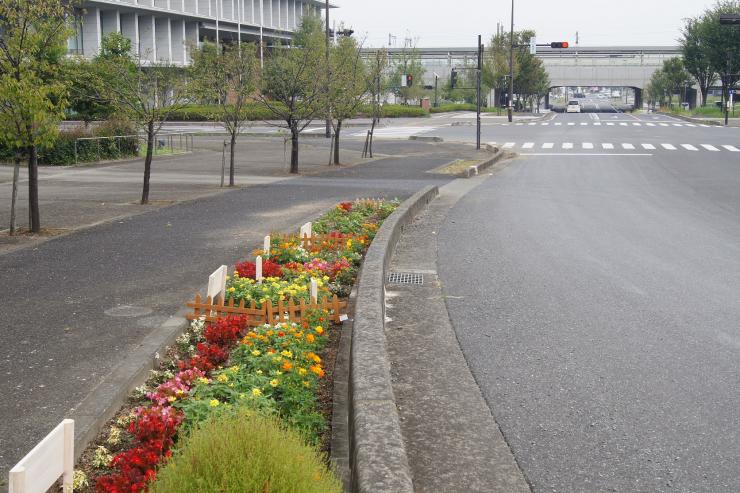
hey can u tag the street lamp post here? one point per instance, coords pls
(328, 76)
(511, 67)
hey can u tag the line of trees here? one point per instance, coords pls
(38, 83)
(711, 53)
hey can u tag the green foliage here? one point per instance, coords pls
(696, 56)
(395, 111)
(241, 451)
(408, 61)
(449, 107)
(349, 79)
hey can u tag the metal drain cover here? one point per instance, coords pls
(405, 278)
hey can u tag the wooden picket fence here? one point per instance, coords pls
(317, 239)
(284, 311)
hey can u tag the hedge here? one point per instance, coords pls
(203, 112)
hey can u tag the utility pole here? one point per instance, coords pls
(511, 67)
(328, 76)
(436, 82)
(477, 92)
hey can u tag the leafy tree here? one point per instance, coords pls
(676, 78)
(351, 80)
(464, 90)
(33, 37)
(228, 76)
(148, 94)
(407, 62)
(723, 44)
(696, 56)
(496, 64)
(294, 82)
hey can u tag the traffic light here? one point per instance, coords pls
(559, 44)
(409, 80)
(453, 78)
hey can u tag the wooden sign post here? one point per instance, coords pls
(258, 269)
(217, 283)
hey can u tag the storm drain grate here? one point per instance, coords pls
(405, 278)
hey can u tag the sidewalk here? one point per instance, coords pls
(79, 196)
(452, 441)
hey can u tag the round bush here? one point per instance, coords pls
(241, 451)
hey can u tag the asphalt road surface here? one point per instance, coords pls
(595, 291)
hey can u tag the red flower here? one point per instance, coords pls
(269, 269)
(347, 206)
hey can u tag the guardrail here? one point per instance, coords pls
(90, 149)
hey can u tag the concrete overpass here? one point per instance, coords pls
(580, 66)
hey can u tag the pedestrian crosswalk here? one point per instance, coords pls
(608, 124)
(396, 132)
(616, 146)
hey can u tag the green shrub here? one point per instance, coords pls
(241, 451)
(204, 112)
(447, 107)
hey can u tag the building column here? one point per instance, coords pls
(163, 39)
(147, 44)
(130, 29)
(192, 39)
(91, 32)
(110, 21)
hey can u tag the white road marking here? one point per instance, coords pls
(710, 147)
(528, 145)
(591, 154)
(567, 145)
(587, 145)
(650, 124)
(731, 148)
(705, 125)
(570, 124)
(545, 124)
(610, 124)
(558, 123)
(628, 147)
(637, 124)
(598, 124)
(533, 123)
(584, 123)
(668, 147)
(678, 124)
(649, 147)
(547, 145)
(607, 146)
(689, 124)
(663, 124)
(509, 145)
(689, 147)
(396, 132)
(519, 124)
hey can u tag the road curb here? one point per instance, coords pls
(111, 394)
(425, 138)
(377, 452)
(474, 170)
(691, 119)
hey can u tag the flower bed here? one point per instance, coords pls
(225, 367)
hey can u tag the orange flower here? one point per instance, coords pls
(287, 365)
(310, 338)
(316, 369)
(319, 330)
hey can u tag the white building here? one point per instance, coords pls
(162, 30)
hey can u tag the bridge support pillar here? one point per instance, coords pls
(547, 100)
(638, 98)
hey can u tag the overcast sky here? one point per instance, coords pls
(458, 22)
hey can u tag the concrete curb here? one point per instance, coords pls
(111, 394)
(424, 138)
(692, 119)
(476, 169)
(378, 458)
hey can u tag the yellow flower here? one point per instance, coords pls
(256, 392)
(214, 403)
(203, 380)
(171, 398)
(302, 371)
(256, 352)
(319, 330)
(234, 369)
(232, 289)
(278, 373)
(223, 378)
(274, 382)
(259, 372)
(287, 353)
(307, 384)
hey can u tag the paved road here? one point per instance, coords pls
(60, 331)
(596, 296)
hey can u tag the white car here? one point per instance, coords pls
(573, 107)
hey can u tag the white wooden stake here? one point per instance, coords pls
(314, 290)
(217, 283)
(306, 230)
(69, 455)
(266, 247)
(258, 269)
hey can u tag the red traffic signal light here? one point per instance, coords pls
(559, 44)
(409, 80)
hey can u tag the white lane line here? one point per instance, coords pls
(570, 124)
(731, 148)
(663, 124)
(558, 123)
(637, 124)
(519, 124)
(710, 147)
(547, 145)
(584, 123)
(532, 123)
(689, 124)
(598, 124)
(678, 124)
(587, 145)
(607, 146)
(509, 145)
(528, 145)
(705, 125)
(609, 124)
(650, 124)
(567, 145)
(623, 124)
(689, 147)
(592, 154)
(649, 147)
(628, 147)
(545, 124)
(668, 147)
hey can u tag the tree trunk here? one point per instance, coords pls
(704, 88)
(231, 162)
(14, 195)
(148, 162)
(294, 150)
(34, 216)
(336, 142)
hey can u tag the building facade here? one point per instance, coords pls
(163, 30)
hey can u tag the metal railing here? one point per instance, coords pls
(115, 147)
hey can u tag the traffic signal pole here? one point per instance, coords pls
(328, 75)
(511, 67)
(477, 92)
